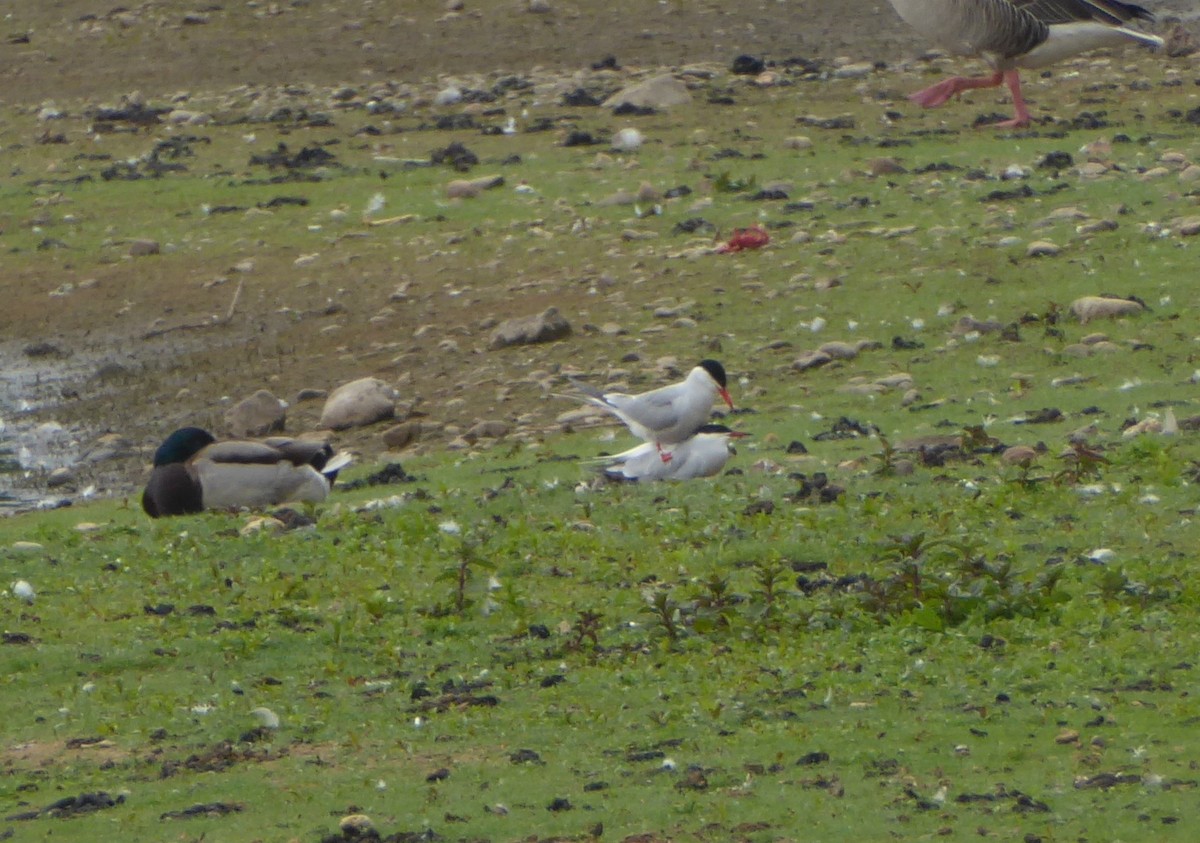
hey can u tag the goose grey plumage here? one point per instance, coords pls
(1014, 34)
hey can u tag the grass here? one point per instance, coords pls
(385, 666)
(507, 652)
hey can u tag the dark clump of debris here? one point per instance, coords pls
(455, 155)
(70, 806)
(391, 473)
(307, 158)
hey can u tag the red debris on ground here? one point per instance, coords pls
(754, 237)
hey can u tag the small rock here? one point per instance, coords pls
(1189, 227)
(60, 477)
(110, 446)
(494, 429)
(797, 142)
(627, 140)
(1042, 249)
(810, 360)
(448, 96)
(258, 415)
(544, 327)
(462, 189)
(1088, 308)
(1021, 455)
(358, 403)
(402, 435)
(539, 7)
(23, 591)
(658, 92)
(885, 167)
(26, 547)
(1095, 169)
(621, 197)
(839, 350)
(143, 248)
(1096, 227)
(858, 70)
(260, 524)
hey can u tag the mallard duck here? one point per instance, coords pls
(671, 414)
(702, 455)
(1012, 34)
(193, 472)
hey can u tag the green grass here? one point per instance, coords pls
(628, 634)
(334, 629)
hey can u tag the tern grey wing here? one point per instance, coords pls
(657, 410)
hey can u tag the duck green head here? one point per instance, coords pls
(182, 445)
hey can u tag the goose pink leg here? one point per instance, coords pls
(943, 91)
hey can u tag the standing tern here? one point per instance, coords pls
(671, 414)
(703, 455)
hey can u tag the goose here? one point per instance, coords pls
(670, 414)
(702, 455)
(1014, 34)
(194, 472)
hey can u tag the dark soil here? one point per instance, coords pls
(78, 48)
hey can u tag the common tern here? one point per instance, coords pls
(670, 414)
(193, 472)
(703, 455)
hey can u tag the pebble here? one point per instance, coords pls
(59, 477)
(260, 524)
(401, 435)
(1189, 227)
(354, 826)
(627, 140)
(1042, 249)
(810, 360)
(448, 96)
(1089, 308)
(858, 70)
(143, 248)
(492, 429)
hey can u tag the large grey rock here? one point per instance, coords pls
(258, 415)
(544, 327)
(657, 92)
(358, 403)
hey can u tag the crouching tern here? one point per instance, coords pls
(702, 455)
(668, 415)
